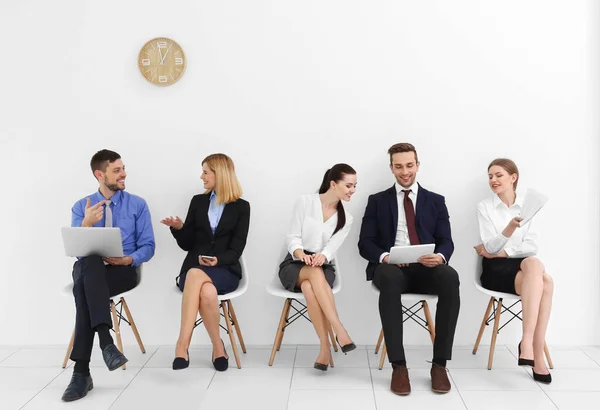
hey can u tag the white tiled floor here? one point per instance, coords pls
(31, 378)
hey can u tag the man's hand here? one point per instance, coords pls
(386, 259)
(120, 261)
(431, 260)
(208, 261)
(93, 214)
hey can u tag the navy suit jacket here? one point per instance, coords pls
(380, 223)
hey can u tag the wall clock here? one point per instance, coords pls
(162, 61)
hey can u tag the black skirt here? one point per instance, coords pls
(224, 280)
(499, 274)
(289, 270)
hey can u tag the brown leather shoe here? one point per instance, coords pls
(439, 379)
(400, 381)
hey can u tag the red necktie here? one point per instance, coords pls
(409, 211)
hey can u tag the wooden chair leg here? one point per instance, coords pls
(69, 349)
(117, 329)
(231, 335)
(236, 325)
(495, 334)
(383, 354)
(287, 315)
(331, 361)
(332, 337)
(483, 322)
(279, 333)
(548, 358)
(429, 320)
(133, 326)
(379, 341)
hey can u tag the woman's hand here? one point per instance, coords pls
(301, 256)
(208, 261)
(175, 223)
(318, 259)
(512, 226)
(481, 251)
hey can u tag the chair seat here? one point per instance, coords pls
(408, 296)
(495, 294)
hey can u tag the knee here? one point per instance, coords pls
(389, 276)
(208, 293)
(194, 275)
(315, 274)
(548, 283)
(447, 276)
(532, 266)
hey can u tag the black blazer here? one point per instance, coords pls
(380, 223)
(227, 243)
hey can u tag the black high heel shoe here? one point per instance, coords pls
(180, 363)
(221, 363)
(346, 348)
(542, 378)
(321, 366)
(524, 362)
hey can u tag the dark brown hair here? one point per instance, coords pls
(402, 147)
(102, 158)
(509, 166)
(335, 174)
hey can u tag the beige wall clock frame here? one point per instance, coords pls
(162, 61)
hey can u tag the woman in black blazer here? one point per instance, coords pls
(214, 236)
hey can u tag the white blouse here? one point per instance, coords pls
(309, 232)
(493, 216)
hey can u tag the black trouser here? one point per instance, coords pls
(393, 281)
(93, 284)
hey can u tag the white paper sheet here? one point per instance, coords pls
(533, 202)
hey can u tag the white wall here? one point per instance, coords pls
(287, 89)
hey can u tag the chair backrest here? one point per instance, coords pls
(243, 285)
(477, 269)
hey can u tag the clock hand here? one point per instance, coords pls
(165, 56)
(160, 54)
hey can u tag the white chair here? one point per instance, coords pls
(419, 302)
(275, 288)
(496, 302)
(117, 316)
(229, 313)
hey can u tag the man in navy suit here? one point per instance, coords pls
(408, 214)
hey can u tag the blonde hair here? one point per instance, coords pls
(227, 186)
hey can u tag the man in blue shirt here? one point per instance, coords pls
(96, 279)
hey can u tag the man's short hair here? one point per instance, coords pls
(102, 158)
(402, 147)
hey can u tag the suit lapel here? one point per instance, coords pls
(203, 209)
(226, 213)
(393, 202)
(422, 198)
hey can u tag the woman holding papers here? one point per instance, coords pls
(319, 226)
(214, 235)
(509, 263)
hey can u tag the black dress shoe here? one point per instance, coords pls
(113, 357)
(221, 363)
(524, 362)
(180, 363)
(78, 387)
(543, 378)
(346, 348)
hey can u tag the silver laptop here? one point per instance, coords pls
(80, 242)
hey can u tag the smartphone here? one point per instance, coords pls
(207, 257)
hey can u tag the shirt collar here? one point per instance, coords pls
(518, 201)
(414, 188)
(213, 195)
(115, 199)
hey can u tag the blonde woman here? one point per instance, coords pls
(214, 235)
(510, 265)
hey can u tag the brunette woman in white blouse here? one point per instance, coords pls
(510, 265)
(319, 226)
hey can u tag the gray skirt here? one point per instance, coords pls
(289, 270)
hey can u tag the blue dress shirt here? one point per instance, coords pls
(131, 215)
(215, 211)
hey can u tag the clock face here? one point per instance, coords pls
(162, 61)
